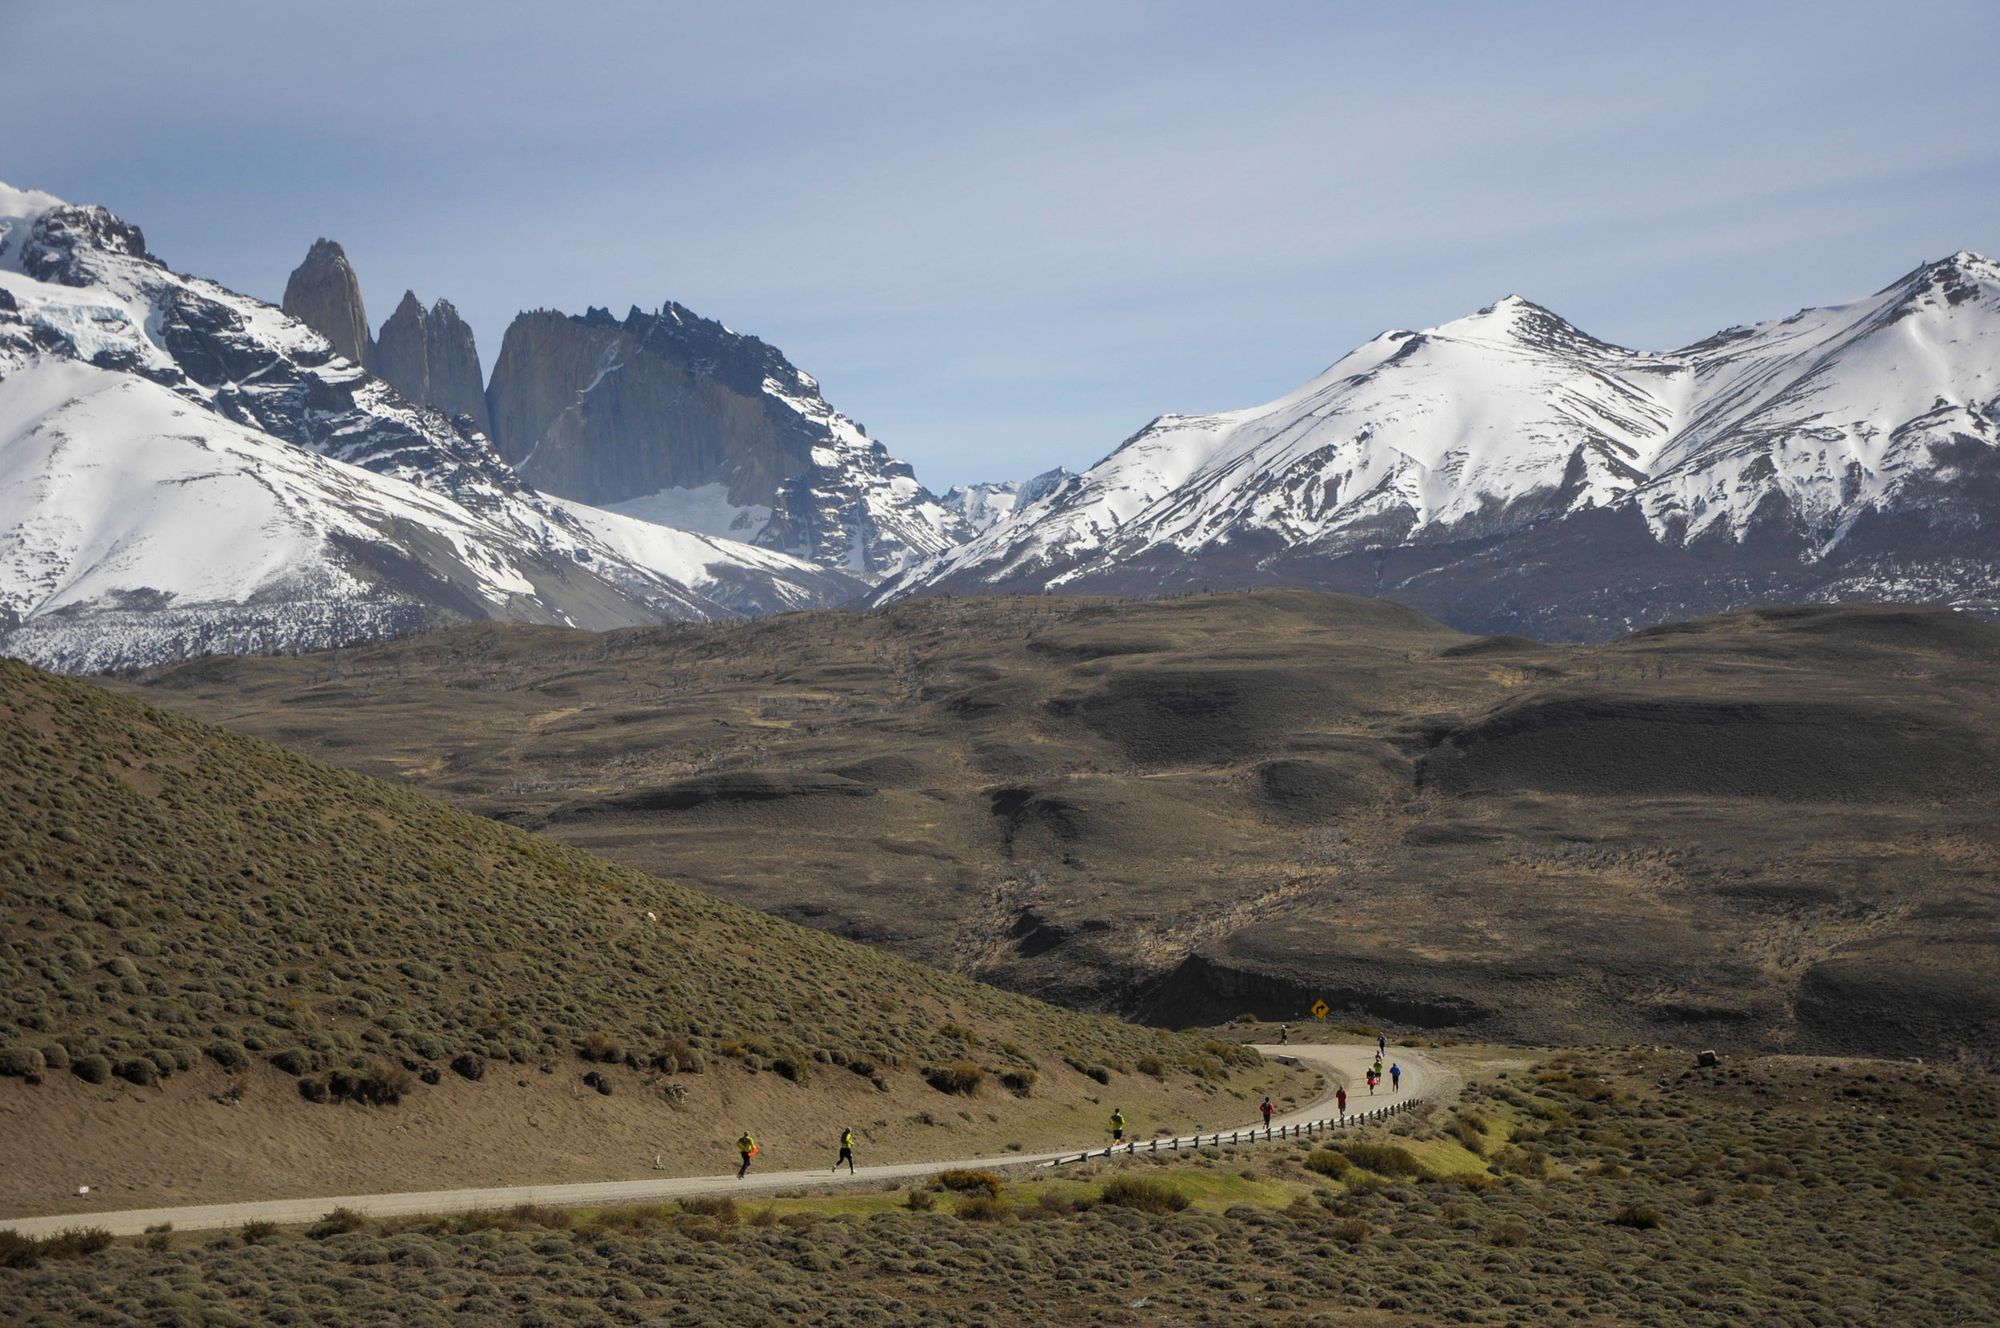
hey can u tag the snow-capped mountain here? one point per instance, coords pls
(675, 418)
(184, 469)
(987, 504)
(1514, 473)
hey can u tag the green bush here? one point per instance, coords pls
(984, 1208)
(1383, 1159)
(18, 1062)
(91, 1069)
(228, 1055)
(718, 1206)
(56, 1056)
(339, 1222)
(293, 1060)
(1639, 1219)
(919, 1201)
(256, 1233)
(678, 1056)
(468, 1066)
(966, 1182)
(138, 1070)
(1144, 1194)
(1018, 1081)
(1328, 1163)
(1152, 1065)
(18, 1251)
(960, 1077)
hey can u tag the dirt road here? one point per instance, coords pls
(1341, 1064)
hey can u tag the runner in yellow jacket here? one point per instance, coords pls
(748, 1147)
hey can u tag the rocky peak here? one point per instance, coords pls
(677, 418)
(430, 357)
(325, 295)
(62, 237)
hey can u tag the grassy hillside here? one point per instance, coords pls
(184, 904)
(1778, 828)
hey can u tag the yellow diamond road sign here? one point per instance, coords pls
(1319, 1009)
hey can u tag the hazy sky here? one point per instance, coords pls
(1005, 236)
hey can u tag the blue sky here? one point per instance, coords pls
(1005, 236)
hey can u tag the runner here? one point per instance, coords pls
(1372, 1078)
(1267, 1109)
(1395, 1078)
(1117, 1126)
(748, 1147)
(1284, 1034)
(1340, 1100)
(846, 1150)
(1381, 1046)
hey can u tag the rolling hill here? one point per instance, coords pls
(232, 971)
(1778, 828)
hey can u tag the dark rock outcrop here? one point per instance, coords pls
(607, 411)
(325, 295)
(430, 357)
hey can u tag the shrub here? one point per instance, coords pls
(56, 1056)
(1097, 1072)
(1328, 1163)
(256, 1233)
(718, 1206)
(597, 1081)
(18, 1251)
(1384, 1159)
(91, 1069)
(791, 1068)
(1530, 1162)
(292, 1060)
(228, 1055)
(381, 1085)
(1639, 1219)
(18, 1062)
(468, 1066)
(960, 1077)
(1466, 1129)
(678, 1056)
(919, 1201)
(1019, 1082)
(967, 1182)
(339, 1222)
(1509, 1235)
(314, 1090)
(1350, 1231)
(138, 1070)
(1153, 1065)
(984, 1208)
(598, 1047)
(1144, 1194)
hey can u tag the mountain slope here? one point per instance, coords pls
(115, 367)
(677, 419)
(204, 909)
(1504, 458)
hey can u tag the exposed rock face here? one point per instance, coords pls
(430, 357)
(676, 418)
(325, 295)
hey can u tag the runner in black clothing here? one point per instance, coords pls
(1267, 1109)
